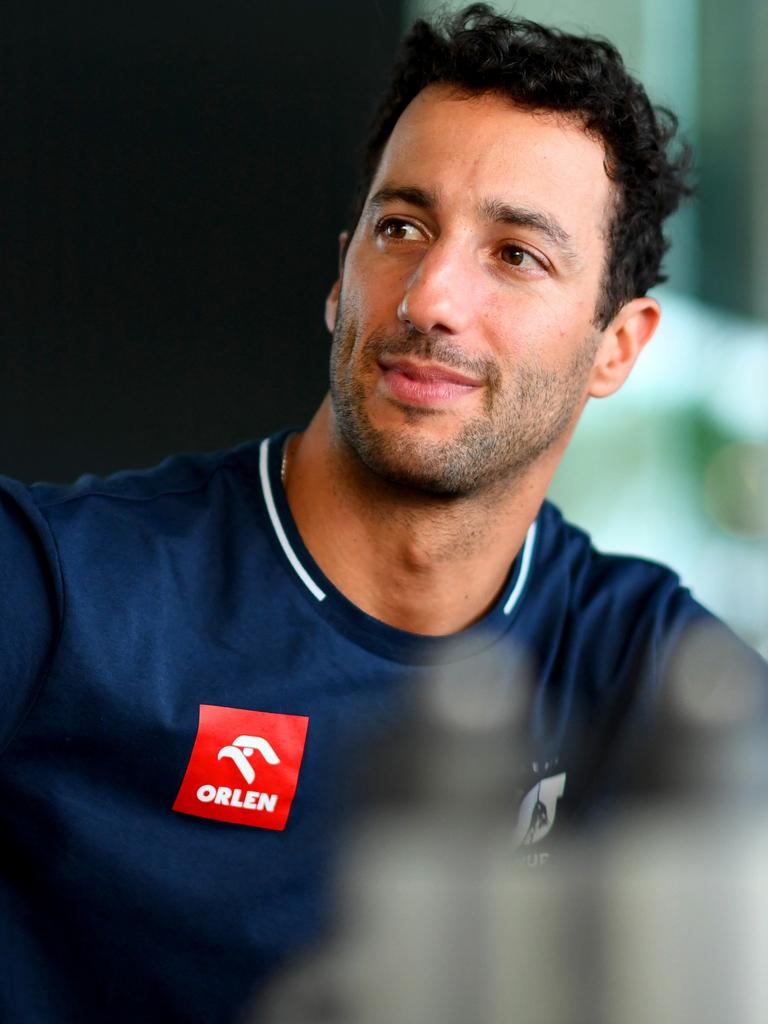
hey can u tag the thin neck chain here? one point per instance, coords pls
(284, 462)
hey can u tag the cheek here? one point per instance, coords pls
(352, 297)
(523, 331)
(544, 332)
(371, 304)
(350, 329)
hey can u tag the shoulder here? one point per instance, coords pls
(614, 615)
(187, 511)
(597, 582)
(621, 643)
(162, 501)
(605, 620)
(176, 476)
(102, 556)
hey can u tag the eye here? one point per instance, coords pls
(520, 258)
(397, 230)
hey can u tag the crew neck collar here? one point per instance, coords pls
(364, 629)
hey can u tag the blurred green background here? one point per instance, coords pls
(675, 467)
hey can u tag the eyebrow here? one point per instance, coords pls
(494, 210)
(424, 199)
(521, 216)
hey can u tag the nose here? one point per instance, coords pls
(438, 294)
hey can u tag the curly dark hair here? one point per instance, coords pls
(541, 68)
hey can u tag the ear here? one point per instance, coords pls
(332, 302)
(332, 305)
(623, 340)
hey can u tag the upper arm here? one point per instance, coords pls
(30, 605)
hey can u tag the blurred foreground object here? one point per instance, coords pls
(660, 914)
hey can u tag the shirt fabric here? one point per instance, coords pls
(128, 603)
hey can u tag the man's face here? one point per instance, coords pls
(463, 330)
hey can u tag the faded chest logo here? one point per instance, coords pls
(537, 810)
(244, 767)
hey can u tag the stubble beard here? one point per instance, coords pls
(520, 420)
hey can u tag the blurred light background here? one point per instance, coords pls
(675, 467)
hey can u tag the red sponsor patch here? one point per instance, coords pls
(244, 767)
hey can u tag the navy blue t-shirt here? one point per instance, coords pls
(142, 613)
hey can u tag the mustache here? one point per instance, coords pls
(433, 348)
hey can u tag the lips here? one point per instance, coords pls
(425, 383)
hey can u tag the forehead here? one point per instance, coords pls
(471, 148)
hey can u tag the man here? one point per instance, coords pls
(214, 636)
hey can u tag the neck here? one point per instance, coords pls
(422, 563)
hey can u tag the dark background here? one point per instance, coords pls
(172, 183)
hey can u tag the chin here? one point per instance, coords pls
(443, 467)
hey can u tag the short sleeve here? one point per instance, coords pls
(30, 604)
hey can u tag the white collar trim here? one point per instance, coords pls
(285, 544)
(309, 583)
